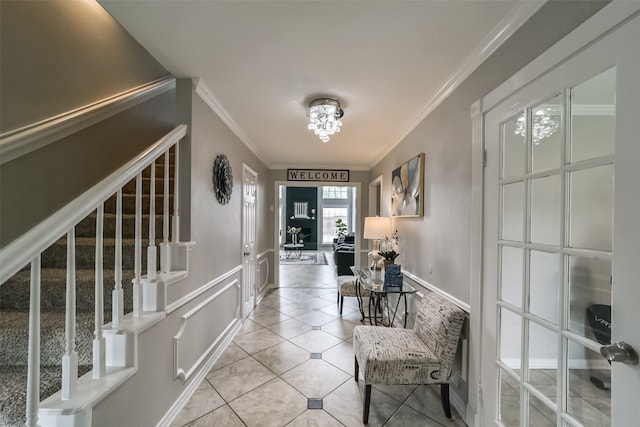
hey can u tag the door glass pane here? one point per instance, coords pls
(509, 400)
(546, 138)
(593, 117)
(512, 211)
(513, 143)
(543, 356)
(589, 378)
(540, 415)
(545, 210)
(510, 339)
(590, 298)
(329, 217)
(591, 208)
(544, 276)
(511, 276)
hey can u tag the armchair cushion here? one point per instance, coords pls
(395, 356)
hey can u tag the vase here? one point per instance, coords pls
(294, 239)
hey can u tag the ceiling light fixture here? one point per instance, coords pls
(324, 117)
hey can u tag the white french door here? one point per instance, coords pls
(249, 272)
(561, 268)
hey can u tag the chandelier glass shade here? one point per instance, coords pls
(324, 117)
(545, 122)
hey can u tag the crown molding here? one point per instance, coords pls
(209, 98)
(500, 33)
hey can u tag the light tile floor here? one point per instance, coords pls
(294, 352)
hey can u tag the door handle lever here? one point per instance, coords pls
(620, 352)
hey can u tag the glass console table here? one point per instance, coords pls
(373, 281)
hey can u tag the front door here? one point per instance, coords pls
(562, 242)
(249, 188)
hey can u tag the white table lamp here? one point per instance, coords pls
(376, 228)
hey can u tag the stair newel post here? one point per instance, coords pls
(99, 362)
(33, 368)
(118, 294)
(176, 199)
(70, 357)
(151, 250)
(137, 286)
(165, 252)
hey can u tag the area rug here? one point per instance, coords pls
(306, 258)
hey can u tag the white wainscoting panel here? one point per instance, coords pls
(203, 327)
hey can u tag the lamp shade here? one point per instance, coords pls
(377, 227)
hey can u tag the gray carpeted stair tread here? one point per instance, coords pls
(87, 227)
(14, 347)
(14, 293)
(129, 203)
(56, 255)
(13, 390)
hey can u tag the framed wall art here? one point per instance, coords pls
(407, 188)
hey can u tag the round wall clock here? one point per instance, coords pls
(222, 179)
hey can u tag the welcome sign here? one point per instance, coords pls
(328, 175)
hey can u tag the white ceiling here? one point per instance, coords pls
(259, 63)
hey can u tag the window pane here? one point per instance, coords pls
(511, 275)
(593, 117)
(329, 217)
(335, 192)
(512, 211)
(589, 378)
(509, 400)
(546, 140)
(545, 210)
(510, 339)
(544, 276)
(591, 208)
(543, 356)
(590, 298)
(513, 140)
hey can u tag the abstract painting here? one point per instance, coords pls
(407, 188)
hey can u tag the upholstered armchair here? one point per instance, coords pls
(422, 355)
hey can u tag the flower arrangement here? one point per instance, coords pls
(294, 230)
(389, 247)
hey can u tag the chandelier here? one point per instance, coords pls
(543, 124)
(324, 117)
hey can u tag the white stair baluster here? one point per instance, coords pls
(33, 367)
(137, 286)
(118, 294)
(165, 253)
(99, 361)
(70, 357)
(176, 213)
(151, 250)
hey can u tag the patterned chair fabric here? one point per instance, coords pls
(422, 355)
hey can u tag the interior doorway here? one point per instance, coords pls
(305, 224)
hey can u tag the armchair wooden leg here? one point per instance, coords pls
(367, 401)
(444, 396)
(341, 303)
(357, 370)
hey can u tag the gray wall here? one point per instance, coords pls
(60, 55)
(441, 240)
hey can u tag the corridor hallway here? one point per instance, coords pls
(294, 354)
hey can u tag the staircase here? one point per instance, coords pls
(54, 342)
